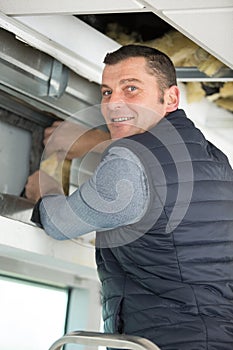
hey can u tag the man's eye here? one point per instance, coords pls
(106, 92)
(131, 88)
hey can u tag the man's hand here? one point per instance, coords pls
(66, 140)
(40, 184)
(72, 139)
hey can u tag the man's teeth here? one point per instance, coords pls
(121, 119)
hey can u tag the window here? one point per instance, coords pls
(32, 315)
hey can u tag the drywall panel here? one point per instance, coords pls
(23, 7)
(184, 4)
(32, 245)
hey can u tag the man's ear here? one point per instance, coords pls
(172, 98)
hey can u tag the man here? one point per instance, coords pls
(161, 201)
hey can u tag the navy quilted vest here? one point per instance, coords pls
(169, 277)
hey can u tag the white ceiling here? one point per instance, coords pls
(32, 7)
(209, 23)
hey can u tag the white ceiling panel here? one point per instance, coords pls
(211, 29)
(25, 7)
(184, 4)
(75, 37)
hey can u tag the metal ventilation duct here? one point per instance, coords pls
(41, 82)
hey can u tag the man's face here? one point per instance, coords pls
(130, 98)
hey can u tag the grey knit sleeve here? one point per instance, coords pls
(116, 195)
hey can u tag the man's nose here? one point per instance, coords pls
(115, 101)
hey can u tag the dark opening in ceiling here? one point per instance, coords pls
(146, 24)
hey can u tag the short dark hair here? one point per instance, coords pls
(158, 63)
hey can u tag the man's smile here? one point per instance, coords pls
(121, 119)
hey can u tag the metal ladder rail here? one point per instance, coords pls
(117, 341)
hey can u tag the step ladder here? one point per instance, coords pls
(116, 341)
